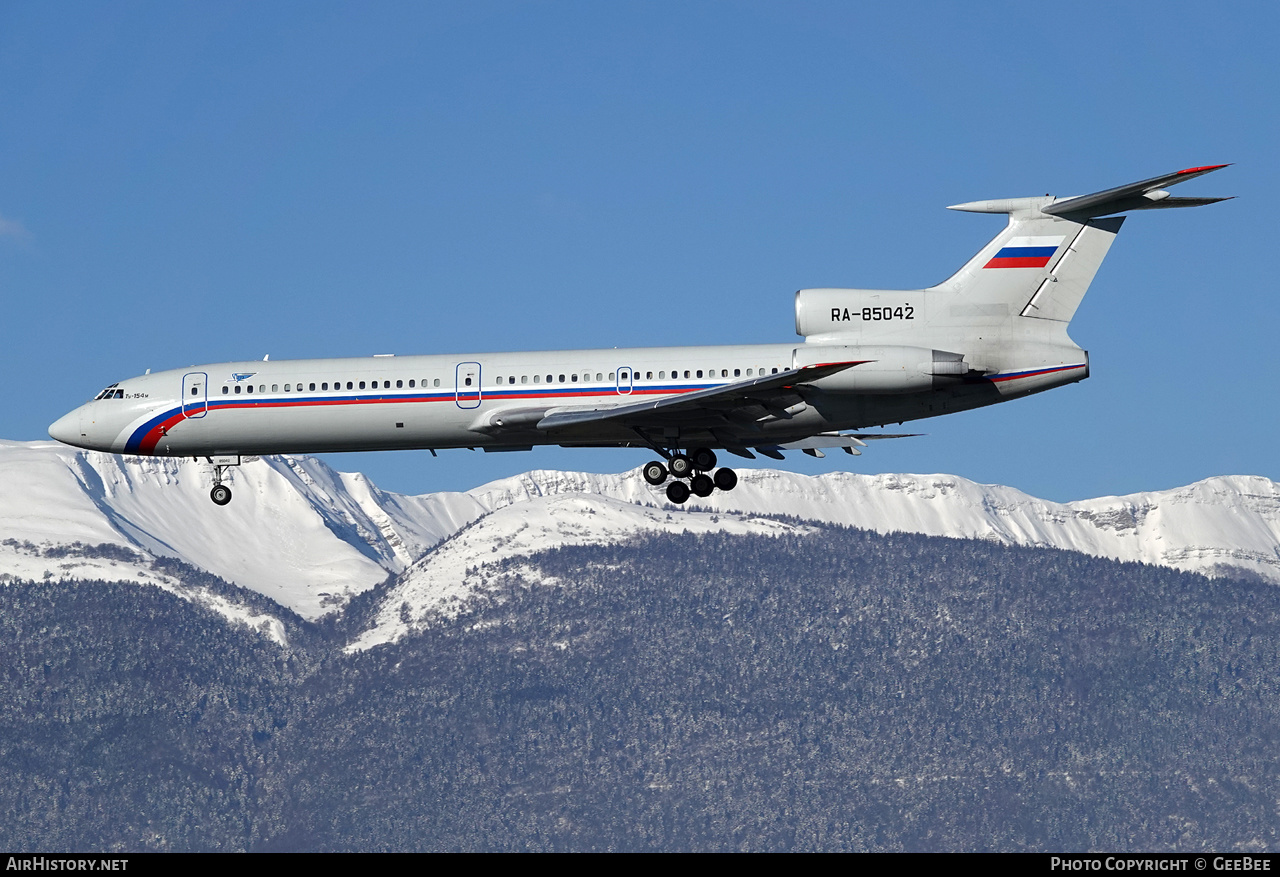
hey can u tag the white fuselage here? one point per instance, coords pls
(490, 401)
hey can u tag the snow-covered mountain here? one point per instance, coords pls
(310, 537)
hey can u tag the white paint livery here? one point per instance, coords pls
(994, 331)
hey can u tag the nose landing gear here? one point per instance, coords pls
(693, 467)
(221, 493)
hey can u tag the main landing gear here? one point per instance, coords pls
(694, 467)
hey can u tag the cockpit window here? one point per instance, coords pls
(111, 392)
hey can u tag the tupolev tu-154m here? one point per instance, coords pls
(994, 331)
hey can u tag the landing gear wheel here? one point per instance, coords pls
(221, 494)
(704, 459)
(655, 473)
(702, 484)
(680, 466)
(726, 479)
(677, 492)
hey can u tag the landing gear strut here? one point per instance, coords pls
(693, 467)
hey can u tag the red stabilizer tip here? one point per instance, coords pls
(1207, 167)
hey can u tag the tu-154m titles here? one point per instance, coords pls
(994, 331)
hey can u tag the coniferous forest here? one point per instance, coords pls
(840, 690)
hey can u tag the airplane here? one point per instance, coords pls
(994, 331)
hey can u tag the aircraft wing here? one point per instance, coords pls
(773, 393)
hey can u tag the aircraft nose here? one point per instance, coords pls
(66, 429)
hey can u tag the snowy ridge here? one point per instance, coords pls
(309, 537)
(1228, 525)
(1221, 526)
(440, 584)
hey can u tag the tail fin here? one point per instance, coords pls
(1039, 267)
(1042, 263)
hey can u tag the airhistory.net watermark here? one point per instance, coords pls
(50, 863)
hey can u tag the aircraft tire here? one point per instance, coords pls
(704, 459)
(655, 473)
(678, 492)
(221, 494)
(726, 479)
(680, 466)
(702, 484)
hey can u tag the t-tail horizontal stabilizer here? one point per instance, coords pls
(1145, 195)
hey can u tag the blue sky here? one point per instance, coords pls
(185, 183)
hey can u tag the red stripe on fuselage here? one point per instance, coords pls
(161, 429)
(1036, 373)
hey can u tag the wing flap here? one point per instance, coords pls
(849, 441)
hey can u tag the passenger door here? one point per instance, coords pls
(195, 398)
(467, 385)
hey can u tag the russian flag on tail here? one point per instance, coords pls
(1026, 252)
